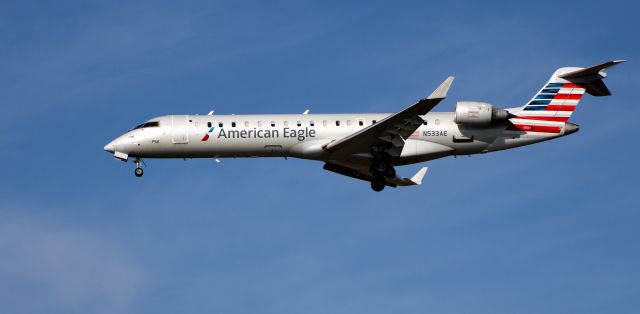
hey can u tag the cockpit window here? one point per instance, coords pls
(151, 124)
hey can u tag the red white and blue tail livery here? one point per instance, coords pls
(553, 105)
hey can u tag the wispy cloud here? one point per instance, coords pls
(51, 267)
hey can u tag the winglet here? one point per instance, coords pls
(417, 178)
(441, 91)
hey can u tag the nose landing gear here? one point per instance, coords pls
(138, 172)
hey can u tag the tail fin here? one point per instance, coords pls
(557, 99)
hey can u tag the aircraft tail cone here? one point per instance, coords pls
(570, 128)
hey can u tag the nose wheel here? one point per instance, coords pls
(138, 172)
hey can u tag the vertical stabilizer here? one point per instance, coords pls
(558, 99)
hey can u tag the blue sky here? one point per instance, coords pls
(547, 228)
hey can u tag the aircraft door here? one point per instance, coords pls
(179, 134)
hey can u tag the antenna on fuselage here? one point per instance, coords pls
(306, 111)
(210, 113)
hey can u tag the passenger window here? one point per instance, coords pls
(373, 121)
(246, 124)
(360, 123)
(233, 124)
(311, 123)
(437, 121)
(424, 122)
(219, 124)
(286, 123)
(298, 123)
(259, 124)
(208, 124)
(348, 122)
(337, 122)
(273, 123)
(324, 122)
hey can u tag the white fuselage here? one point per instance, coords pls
(369, 146)
(305, 135)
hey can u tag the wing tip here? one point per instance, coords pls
(417, 178)
(441, 91)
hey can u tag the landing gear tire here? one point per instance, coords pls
(138, 172)
(377, 183)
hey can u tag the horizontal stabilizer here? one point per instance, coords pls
(592, 71)
(591, 78)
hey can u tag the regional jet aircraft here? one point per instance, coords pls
(370, 146)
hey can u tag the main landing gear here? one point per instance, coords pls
(377, 182)
(381, 169)
(138, 172)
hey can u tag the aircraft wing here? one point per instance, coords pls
(390, 132)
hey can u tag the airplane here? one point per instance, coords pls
(369, 146)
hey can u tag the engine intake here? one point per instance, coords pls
(475, 113)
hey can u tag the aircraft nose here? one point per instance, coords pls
(111, 147)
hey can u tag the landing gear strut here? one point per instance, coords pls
(381, 169)
(138, 172)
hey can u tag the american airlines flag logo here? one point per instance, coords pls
(554, 103)
(206, 136)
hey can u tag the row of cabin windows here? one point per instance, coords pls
(273, 123)
(286, 123)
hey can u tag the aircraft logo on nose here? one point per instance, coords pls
(206, 136)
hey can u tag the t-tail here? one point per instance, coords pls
(550, 109)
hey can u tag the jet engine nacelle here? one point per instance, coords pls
(475, 113)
